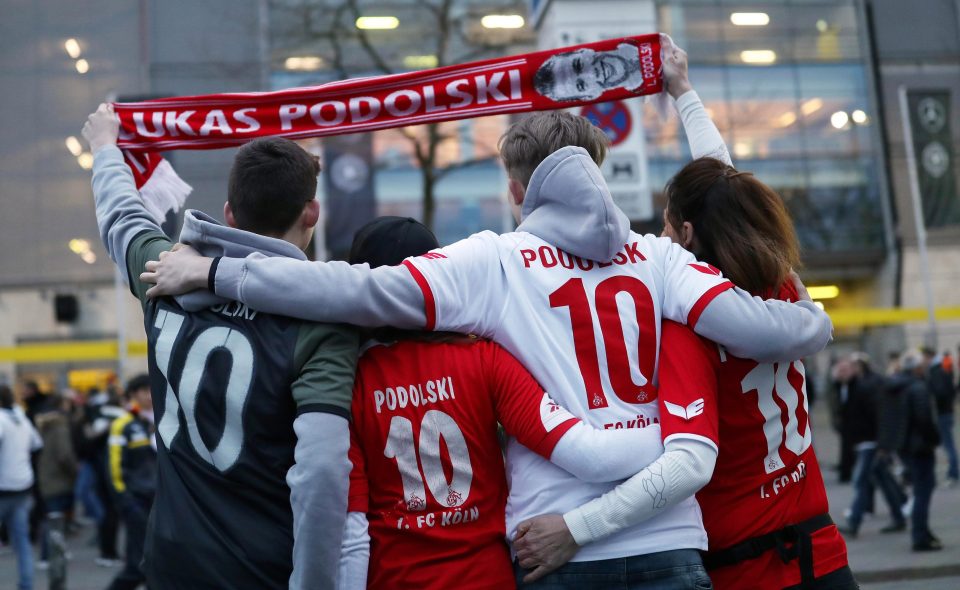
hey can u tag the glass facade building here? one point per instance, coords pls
(792, 98)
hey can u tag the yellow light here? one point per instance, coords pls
(742, 149)
(73, 144)
(78, 245)
(502, 21)
(824, 292)
(839, 119)
(750, 19)
(88, 257)
(420, 61)
(811, 106)
(787, 119)
(859, 117)
(72, 47)
(303, 63)
(85, 160)
(83, 66)
(758, 56)
(378, 22)
(822, 26)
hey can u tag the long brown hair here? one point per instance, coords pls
(740, 225)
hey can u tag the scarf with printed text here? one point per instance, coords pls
(607, 70)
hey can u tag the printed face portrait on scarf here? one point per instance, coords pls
(586, 74)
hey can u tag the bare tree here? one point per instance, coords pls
(451, 40)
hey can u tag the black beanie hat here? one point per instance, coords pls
(387, 240)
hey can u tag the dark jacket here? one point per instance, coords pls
(940, 383)
(908, 423)
(132, 458)
(57, 466)
(861, 412)
(892, 416)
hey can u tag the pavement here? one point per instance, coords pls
(880, 562)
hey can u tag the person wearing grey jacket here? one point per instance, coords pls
(251, 409)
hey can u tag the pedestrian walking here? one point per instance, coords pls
(18, 440)
(920, 438)
(133, 474)
(56, 476)
(940, 382)
(872, 467)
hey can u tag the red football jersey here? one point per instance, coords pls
(767, 475)
(428, 468)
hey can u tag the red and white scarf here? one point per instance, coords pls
(560, 78)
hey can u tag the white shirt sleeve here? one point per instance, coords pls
(355, 553)
(597, 455)
(702, 134)
(685, 467)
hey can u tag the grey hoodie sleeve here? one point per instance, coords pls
(324, 291)
(702, 134)
(319, 483)
(121, 214)
(766, 331)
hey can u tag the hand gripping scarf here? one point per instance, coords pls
(560, 78)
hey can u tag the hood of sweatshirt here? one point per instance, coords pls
(211, 238)
(568, 205)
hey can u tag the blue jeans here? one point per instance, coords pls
(945, 421)
(15, 513)
(681, 569)
(924, 480)
(59, 504)
(86, 492)
(870, 471)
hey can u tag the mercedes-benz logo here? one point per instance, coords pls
(349, 173)
(935, 159)
(932, 114)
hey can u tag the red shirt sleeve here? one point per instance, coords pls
(688, 385)
(524, 409)
(358, 499)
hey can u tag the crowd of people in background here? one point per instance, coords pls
(72, 461)
(890, 424)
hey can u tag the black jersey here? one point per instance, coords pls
(228, 383)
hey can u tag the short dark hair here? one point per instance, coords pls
(531, 140)
(139, 382)
(272, 178)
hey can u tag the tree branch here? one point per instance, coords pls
(377, 59)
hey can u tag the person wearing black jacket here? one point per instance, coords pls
(872, 467)
(918, 437)
(940, 381)
(101, 410)
(132, 456)
(842, 418)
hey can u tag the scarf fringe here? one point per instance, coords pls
(164, 191)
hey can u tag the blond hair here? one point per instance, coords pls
(530, 140)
